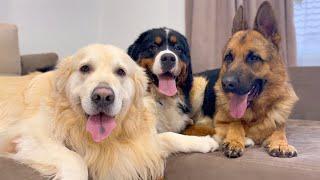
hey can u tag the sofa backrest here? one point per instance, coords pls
(306, 83)
(9, 50)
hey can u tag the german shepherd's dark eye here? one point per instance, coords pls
(252, 58)
(153, 47)
(85, 68)
(121, 72)
(228, 58)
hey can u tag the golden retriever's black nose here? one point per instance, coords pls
(168, 61)
(102, 96)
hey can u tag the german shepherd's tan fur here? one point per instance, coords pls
(264, 121)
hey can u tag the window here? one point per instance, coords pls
(307, 22)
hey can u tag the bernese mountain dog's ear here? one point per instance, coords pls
(133, 51)
(135, 48)
(187, 85)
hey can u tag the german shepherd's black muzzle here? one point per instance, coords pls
(241, 83)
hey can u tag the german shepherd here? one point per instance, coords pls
(250, 95)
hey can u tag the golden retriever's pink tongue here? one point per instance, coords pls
(238, 105)
(100, 126)
(167, 86)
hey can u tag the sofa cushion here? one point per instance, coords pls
(255, 163)
(10, 170)
(9, 50)
(38, 62)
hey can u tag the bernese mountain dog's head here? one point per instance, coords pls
(165, 55)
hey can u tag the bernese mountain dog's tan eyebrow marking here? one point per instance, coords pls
(146, 63)
(173, 39)
(158, 40)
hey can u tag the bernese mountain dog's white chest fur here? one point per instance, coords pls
(171, 112)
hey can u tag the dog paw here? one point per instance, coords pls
(248, 142)
(282, 150)
(190, 121)
(232, 149)
(209, 144)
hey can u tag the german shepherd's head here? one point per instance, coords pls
(252, 68)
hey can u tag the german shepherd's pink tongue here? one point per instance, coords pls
(167, 85)
(238, 105)
(100, 126)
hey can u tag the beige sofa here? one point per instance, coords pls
(12, 63)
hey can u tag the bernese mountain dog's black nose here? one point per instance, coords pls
(168, 61)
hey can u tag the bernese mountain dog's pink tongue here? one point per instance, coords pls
(167, 85)
(100, 126)
(238, 105)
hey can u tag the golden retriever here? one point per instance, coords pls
(88, 118)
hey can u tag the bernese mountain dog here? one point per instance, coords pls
(165, 55)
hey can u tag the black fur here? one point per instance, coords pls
(209, 106)
(46, 69)
(143, 47)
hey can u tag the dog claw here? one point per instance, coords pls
(231, 151)
(274, 153)
(283, 152)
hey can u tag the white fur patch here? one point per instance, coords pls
(173, 143)
(249, 142)
(157, 63)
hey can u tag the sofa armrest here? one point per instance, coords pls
(38, 62)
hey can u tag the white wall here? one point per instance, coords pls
(63, 26)
(124, 20)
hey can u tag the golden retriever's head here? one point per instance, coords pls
(102, 82)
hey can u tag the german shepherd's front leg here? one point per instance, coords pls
(277, 145)
(234, 143)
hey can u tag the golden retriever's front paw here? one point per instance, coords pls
(248, 142)
(209, 144)
(190, 121)
(282, 150)
(233, 148)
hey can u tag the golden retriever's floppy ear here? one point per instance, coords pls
(265, 23)
(141, 83)
(239, 21)
(64, 70)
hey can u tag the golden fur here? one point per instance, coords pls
(42, 122)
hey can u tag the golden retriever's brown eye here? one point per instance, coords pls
(121, 72)
(85, 68)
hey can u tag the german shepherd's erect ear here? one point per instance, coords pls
(265, 23)
(239, 21)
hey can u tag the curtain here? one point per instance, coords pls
(209, 23)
